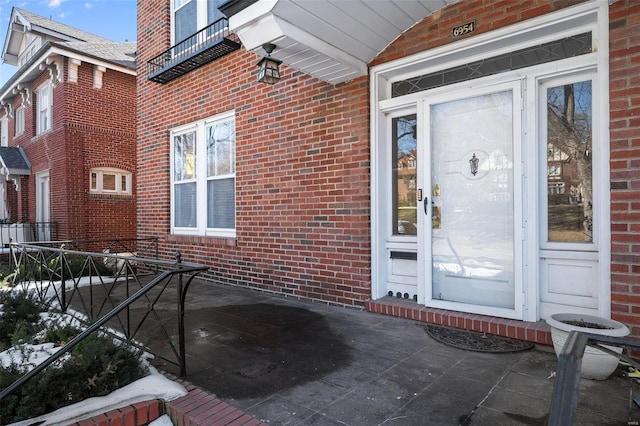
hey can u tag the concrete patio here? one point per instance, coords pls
(292, 362)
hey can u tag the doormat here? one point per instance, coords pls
(475, 341)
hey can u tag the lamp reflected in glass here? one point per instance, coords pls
(269, 67)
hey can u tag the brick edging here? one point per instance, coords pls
(197, 407)
(537, 332)
(138, 414)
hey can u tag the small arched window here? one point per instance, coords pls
(107, 180)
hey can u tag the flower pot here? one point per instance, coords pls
(596, 364)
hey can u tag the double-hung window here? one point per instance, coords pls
(19, 120)
(203, 177)
(189, 16)
(4, 131)
(44, 107)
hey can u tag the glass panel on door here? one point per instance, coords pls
(569, 163)
(404, 160)
(471, 200)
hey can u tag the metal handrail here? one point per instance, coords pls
(564, 400)
(173, 268)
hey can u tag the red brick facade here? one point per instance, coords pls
(91, 128)
(302, 184)
(303, 173)
(624, 101)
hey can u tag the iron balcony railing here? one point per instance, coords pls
(207, 45)
(120, 294)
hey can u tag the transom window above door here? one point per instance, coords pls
(563, 48)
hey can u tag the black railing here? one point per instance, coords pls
(27, 232)
(564, 399)
(206, 45)
(99, 289)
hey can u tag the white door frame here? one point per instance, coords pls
(588, 16)
(43, 205)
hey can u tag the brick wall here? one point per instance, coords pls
(91, 128)
(624, 81)
(302, 178)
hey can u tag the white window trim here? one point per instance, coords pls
(4, 131)
(119, 174)
(201, 16)
(19, 120)
(40, 127)
(589, 16)
(201, 178)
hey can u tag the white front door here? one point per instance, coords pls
(43, 231)
(472, 142)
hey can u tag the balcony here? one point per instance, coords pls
(205, 46)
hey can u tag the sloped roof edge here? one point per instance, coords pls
(14, 161)
(49, 49)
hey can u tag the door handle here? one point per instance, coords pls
(426, 203)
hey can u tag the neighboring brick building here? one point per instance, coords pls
(70, 108)
(293, 188)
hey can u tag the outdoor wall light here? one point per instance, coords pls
(269, 67)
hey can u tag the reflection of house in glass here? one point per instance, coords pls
(569, 168)
(564, 185)
(407, 179)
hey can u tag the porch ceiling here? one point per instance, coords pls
(332, 40)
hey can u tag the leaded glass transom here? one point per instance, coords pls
(540, 54)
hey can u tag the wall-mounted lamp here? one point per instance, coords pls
(269, 67)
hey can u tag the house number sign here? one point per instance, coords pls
(463, 29)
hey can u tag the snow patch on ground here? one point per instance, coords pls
(155, 386)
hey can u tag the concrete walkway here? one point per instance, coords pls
(291, 362)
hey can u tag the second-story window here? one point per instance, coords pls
(189, 16)
(4, 131)
(19, 120)
(44, 106)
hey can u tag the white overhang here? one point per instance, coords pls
(333, 40)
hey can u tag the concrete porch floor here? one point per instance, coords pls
(292, 362)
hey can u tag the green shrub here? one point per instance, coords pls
(20, 317)
(61, 334)
(96, 367)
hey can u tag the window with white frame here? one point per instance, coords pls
(44, 107)
(107, 180)
(19, 120)
(4, 131)
(190, 16)
(203, 177)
